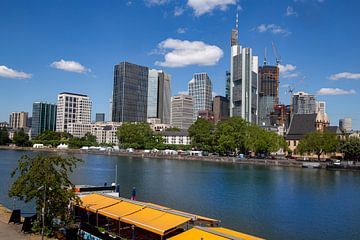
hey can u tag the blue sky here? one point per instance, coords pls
(47, 47)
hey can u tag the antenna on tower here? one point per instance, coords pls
(265, 62)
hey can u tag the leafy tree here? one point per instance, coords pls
(318, 142)
(230, 135)
(201, 134)
(46, 178)
(21, 139)
(52, 138)
(4, 136)
(351, 149)
(136, 135)
(173, 129)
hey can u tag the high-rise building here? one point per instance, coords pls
(227, 85)
(18, 120)
(268, 92)
(181, 111)
(345, 124)
(303, 103)
(130, 93)
(200, 89)
(43, 118)
(72, 108)
(220, 108)
(110, 110)
(321, 106)
(244, 80)
(159, 96)
(100, 117)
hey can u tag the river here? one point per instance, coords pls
(270, 202)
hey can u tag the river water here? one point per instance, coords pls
(270, 202)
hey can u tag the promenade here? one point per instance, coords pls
(12, 231)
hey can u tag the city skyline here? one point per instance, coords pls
(47, 52)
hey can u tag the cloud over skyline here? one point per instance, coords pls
(7, 72)
(335, 91)
(288, 71)
(345, 75)
(272, 28)
(201, 7)
(69, 66)
(184, 53)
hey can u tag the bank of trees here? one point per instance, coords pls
(350, 148)
(4, 136)
(234, 135)
(56, 138)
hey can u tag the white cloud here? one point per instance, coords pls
(178, 11)
(214, 94)
(335, 91)
(69, 66)
(181, 30)
(274, 29)
(201, 7)
(11, 73)
(183, 93)
(155, 2)
(288, 71)
(345, 75)
(183, 53)
(290, 11)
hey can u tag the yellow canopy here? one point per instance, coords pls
(95, 202)
(213, 234)
(120, 209)
(155, 220)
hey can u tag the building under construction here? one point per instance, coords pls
(269, 92)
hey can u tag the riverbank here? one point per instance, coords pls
(222, 159)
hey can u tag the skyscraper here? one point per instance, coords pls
(130, 93)
(200, 89)
(100, 117)
(159, 96)
(43, 118)
(220, 108)
(18, 120)
(227, 85)
(243, 81)
(72, 108)
(181, 111)
(303, 103)
(268, 93)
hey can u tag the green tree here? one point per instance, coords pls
(351, 148)
(21, 139)
(45, 180)
(4, 136)
(200, 133)
(230, 135)
(318, 142)
(136, 135)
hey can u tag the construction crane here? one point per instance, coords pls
(276, 53)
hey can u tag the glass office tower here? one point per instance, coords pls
(43, 118)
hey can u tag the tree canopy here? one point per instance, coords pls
(351, 149)
(4, 136)
(45, 176)
(21, 139)
(318, 142)
(136, 135)
(201, 134)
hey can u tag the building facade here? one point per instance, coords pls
(220, 108)
(100, 117)
(181, 111)
(43, 118)
(345, 124)
(268, 92)
(303, 103)
(18, 120)
(177, 138)
(72, 108)
(106, 132)
(244, 80)
(159, 96)
(130, 93)
(200, 89)
(227, 84)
